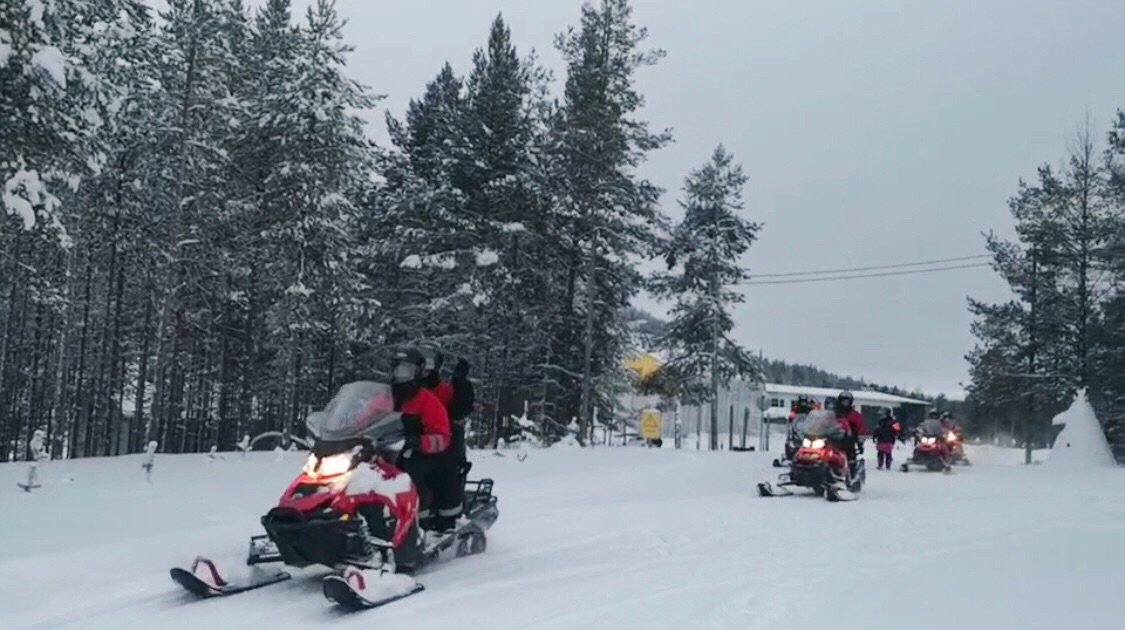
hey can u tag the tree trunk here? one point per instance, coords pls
(138, 419)
(7, 421)
(60, 385)
(168, 308)
(78, 402)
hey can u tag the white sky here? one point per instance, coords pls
(873, 132)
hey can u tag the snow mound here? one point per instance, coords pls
(1082, 443)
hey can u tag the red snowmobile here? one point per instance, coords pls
(820, 464)
(351, 509)
(931, 448)
(956, 446)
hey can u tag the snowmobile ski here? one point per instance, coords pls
(339, 590)
(204, 581)
(766, 489)
(836, 495)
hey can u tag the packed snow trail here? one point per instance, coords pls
(609, 538)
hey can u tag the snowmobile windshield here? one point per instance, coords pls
(360, 409)
(800, 421)
(822, 423)
(930, 427)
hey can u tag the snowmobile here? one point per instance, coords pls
(956, 447)
(931, 450)
(793, 440)
(353, 510)
(820, 464)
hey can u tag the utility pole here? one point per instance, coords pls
(715, 336)
(715, 382)
(1031, 357)
(588, 353)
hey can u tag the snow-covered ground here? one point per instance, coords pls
(609, 538)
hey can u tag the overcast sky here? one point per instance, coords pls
(873, 132)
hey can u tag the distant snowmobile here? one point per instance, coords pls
(956, 446)
(931, 448)
(820, 464)
(353, 510)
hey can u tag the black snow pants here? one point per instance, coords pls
(435, 476)
(884, 459)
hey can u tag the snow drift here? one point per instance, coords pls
(1082, 442)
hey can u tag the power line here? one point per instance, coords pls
(853, 269)
(859, 276)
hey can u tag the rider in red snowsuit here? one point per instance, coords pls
(852, 422)
(428, 435)
(457, 397)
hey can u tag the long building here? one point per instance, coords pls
(754, 404)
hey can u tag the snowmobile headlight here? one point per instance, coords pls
(818, 443)
(807, 443)
(328, 466)
(929, 440)
(952, 437)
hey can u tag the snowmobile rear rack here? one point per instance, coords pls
(478, 493)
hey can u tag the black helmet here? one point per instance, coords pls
(945, 415)
(432, 360)
(933, 413)
(430, 370)
(845, 398)
(406, 367)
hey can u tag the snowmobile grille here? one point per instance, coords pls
(322, 538)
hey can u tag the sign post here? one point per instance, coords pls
(764, 431)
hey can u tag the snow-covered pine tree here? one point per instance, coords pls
(613, 214)
(704, 258)
(111, 237)
(501, 127)
(65, 77)
(999, 354)
(1063, 223)
(192, 186)
(421, 238)
(51, 101)
(306, 159)
(1110, 334)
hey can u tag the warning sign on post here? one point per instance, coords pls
(651, 424)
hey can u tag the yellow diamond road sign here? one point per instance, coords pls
(650, 424)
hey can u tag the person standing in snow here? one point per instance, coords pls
(464, 399)
(885, 435)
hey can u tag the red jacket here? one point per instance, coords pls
(853, 423)
(435, 420)
(444, 392)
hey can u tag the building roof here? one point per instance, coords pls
(862, 397)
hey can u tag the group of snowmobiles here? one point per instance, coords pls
(354, 510)
(937, 447)
(820, 458)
